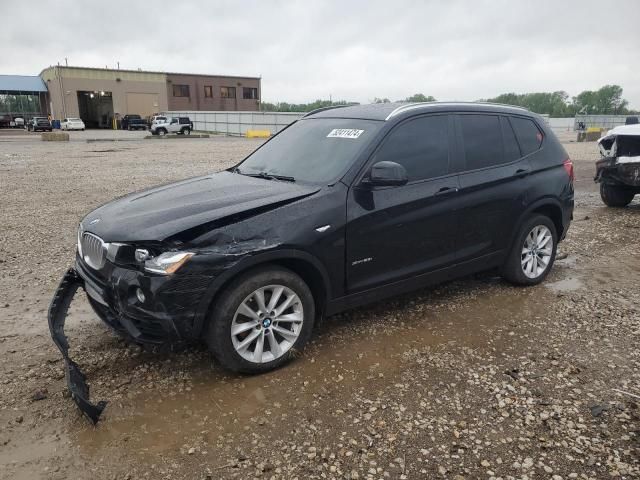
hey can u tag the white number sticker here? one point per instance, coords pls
(345, 133)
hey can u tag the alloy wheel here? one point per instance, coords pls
(267, 323)
(536, 251)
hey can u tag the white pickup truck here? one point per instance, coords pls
(164, 125)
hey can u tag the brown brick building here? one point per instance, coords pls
(212, 92)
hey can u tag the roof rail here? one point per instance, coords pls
(405, 107)
(411, 106)
(322, 109)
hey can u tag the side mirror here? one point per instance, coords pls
(387, 174)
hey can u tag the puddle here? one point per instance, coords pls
(570, 284)
(359, 351)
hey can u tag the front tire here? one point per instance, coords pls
(533, 252)
(260, 320)
(162, 132)
(616, 196)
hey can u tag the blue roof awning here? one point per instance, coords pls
(21, 83)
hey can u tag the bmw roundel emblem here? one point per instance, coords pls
(94, 221)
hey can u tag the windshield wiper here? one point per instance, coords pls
(265, 175)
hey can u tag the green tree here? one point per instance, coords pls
(419, 97)
(381, 100)
(551, 103)
(606, 100)
(301, 107)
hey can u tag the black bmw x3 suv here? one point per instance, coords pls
(344, 207)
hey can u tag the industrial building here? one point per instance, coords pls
(100, 95)
(21, 96)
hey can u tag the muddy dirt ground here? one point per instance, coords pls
(472, 379)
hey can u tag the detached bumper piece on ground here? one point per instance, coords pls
(76, 381)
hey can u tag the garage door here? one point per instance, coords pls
(143, 104)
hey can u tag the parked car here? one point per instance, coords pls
(39, 124)
(158, 119)
(72, 124)
(5, 120)
(618, 171)
(17, 122)
(165, 125)
(344, 207)
(133, 122)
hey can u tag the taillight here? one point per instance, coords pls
(568, 167)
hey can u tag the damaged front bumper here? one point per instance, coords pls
(609, 170)
(164, 318)
(76, 380)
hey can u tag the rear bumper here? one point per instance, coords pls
(567, 217)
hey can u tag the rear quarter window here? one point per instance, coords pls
(528, 134)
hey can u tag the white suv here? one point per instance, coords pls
(163, 125)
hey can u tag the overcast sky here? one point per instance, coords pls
(352, 50)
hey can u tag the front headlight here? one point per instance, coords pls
(167, 263)
(80, 232)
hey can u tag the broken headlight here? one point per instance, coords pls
(167, 263)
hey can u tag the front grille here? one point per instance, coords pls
(94, 251)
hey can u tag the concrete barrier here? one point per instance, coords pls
(169, 137)
(55, 137)
(258, 134)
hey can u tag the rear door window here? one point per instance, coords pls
(420, 145)
(482, 141)
(528, 134)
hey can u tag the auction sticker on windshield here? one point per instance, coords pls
(345, 133)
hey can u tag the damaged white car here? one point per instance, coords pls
(618, 172)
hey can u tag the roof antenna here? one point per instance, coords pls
(66, 62)
(118, 65)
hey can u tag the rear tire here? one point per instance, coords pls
(616, 196)
(531, 257)
(186, 131)
(260, 354)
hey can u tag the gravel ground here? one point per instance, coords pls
(472, 379)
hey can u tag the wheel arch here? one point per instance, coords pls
(308, 267)
(549, 207)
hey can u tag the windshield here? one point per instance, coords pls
(312, 150)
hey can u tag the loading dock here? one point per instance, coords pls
(96, 109)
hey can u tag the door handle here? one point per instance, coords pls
(446, 190)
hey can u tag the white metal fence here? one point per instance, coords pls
(601, 121)
(237, 123)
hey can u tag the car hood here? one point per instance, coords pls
(186, 209)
